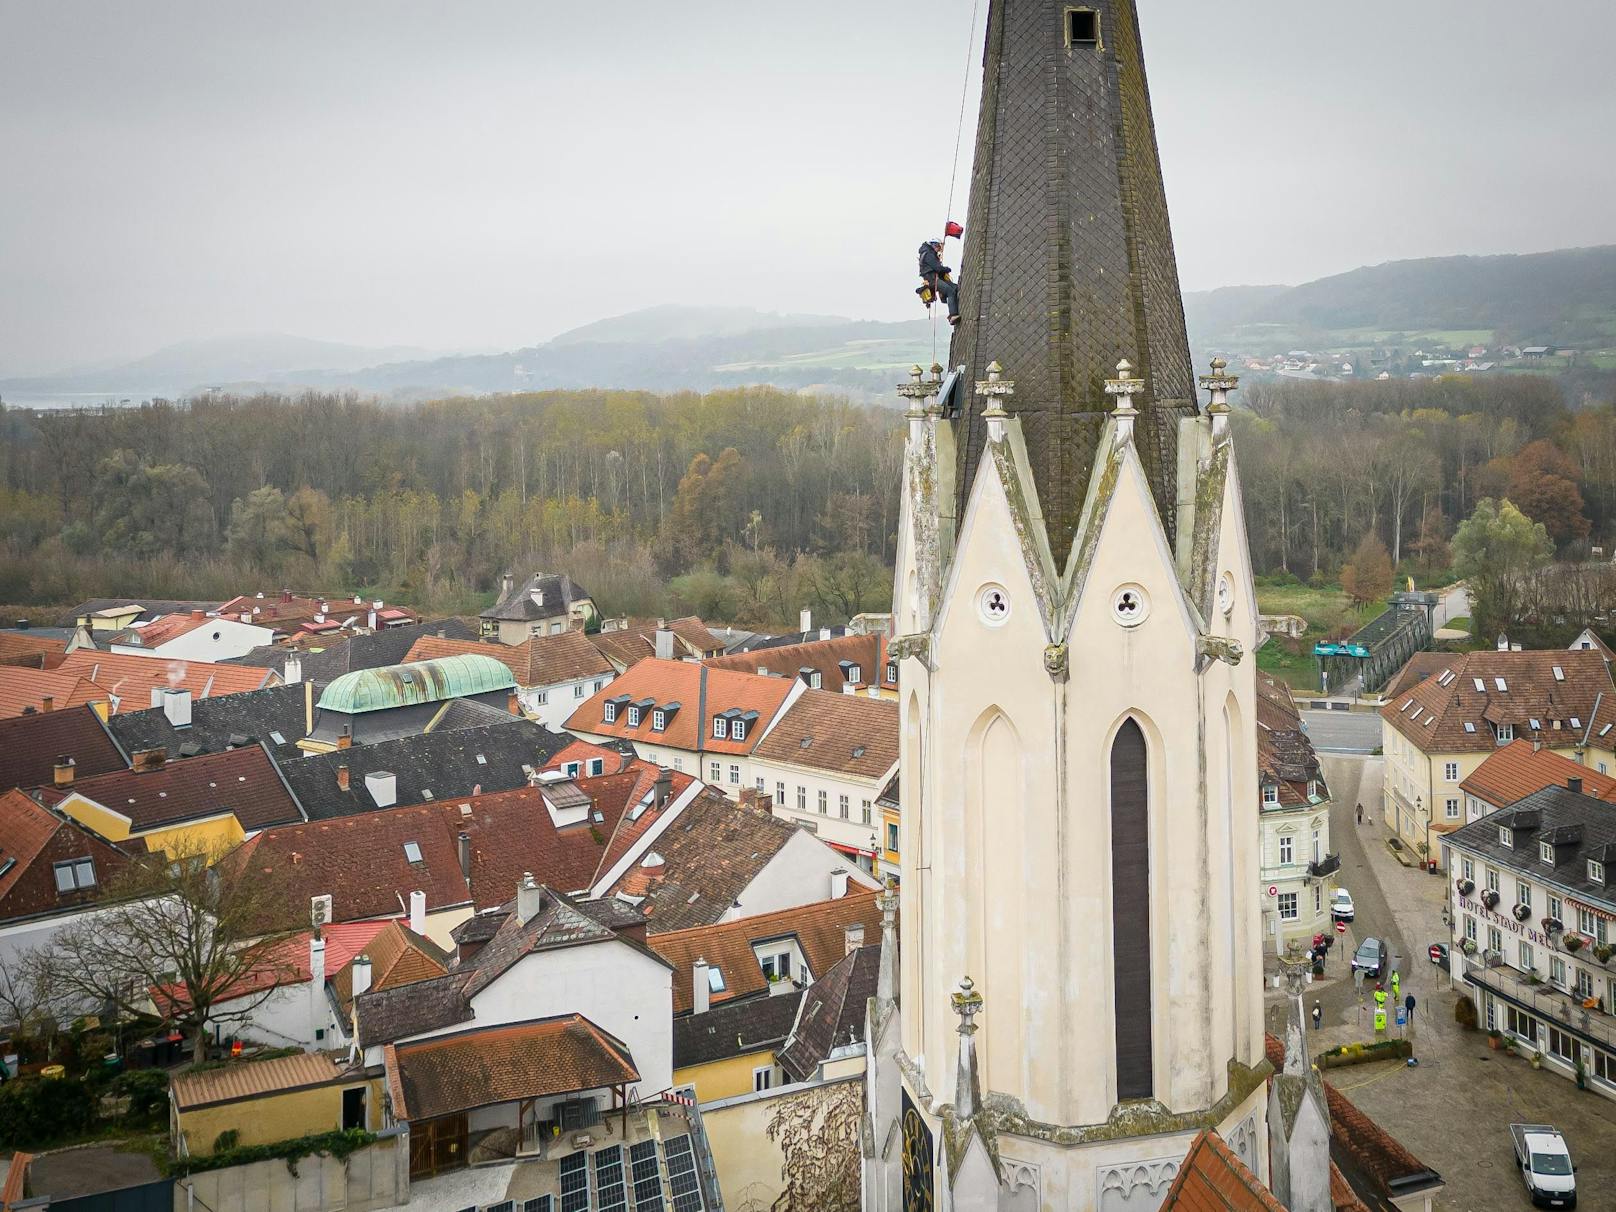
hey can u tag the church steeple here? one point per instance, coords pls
(1068, 263)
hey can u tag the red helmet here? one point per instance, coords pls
(953, 229)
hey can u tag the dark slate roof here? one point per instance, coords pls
(242, 781)
(437, 765)
(1584, 825)
(734, 1029)
(1068, 262)
(153, 608)
(221, 722)
(560, 922)
(761, 642)
(388, 647)
(558, 590)
(29, 745)
(468, 713)
(480, 927)
(386, 1015)
(832, 1012)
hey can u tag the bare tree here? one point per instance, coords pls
(195, 940)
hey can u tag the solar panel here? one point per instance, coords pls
(575, 1183)
(503, 1206)
(682, 1174)
(609, 1193)
(541, 1204)
(647, 1176)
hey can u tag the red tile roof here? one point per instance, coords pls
(629, 646)
(243, 781)
(133, 678)
(287, 962)
(29, 745)
(1559, 689)
(701, 694)
(453, 1073)
(1519, 769)
(820, 929)
(22, 689)
(1415, 670)
(168, 627)
(1213, 1179)
(840, 733)
(537, 661)
(238, 1080)
(1285, 756)
(32, 841)
(825, 657)
(21, 648)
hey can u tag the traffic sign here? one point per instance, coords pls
(1341, 927)
(1273, 889)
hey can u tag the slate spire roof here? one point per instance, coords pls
(1068, 263)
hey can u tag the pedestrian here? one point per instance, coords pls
(1360, 814)
(1408, 1004)
(1397, 984)
(1318, 1015)
(1380, 997)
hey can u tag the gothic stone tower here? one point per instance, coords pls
(1074, 614)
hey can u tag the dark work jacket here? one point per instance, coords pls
(930, 262)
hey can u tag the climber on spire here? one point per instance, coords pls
(935, 279)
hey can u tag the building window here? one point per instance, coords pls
(762, 1079)
(1450, 772)
(608, 712)
(1556, 909)
(1596, 872)
(738, 731)
(1506, 733)
(1318, 899)
(1467, 869)
(892, 671)
(780, 794)
(1452, 807)
(814, 679)
(1495, 940)
(1131, 913)
(1586, 921)
(597, 766)
(75, 875)
(802, 798)
(633, 717)
(842, 805)
(578, 690)
(541, 697)
(777, 967)
(1519, 1023)
(571, 769)
(865, 809)
(824, 803)
(659, 720)
(1082, 29)
(1287, 906)
(1583, 986)
(1492, 878)
(715, 772)
(1525, 891)
(600, 685)
(1506, 837)
(1470, 927)
(1528, 961)
(1564, 1045)
(1286, 849)
(892, 836)
(720, 727)
(735, 775)
(1557, 972)
(1270, 795)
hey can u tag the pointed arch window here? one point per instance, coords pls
(1130, 912)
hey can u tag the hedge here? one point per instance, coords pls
(1362, 1054)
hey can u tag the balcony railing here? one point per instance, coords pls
(1328, 865)
(1547, 1002)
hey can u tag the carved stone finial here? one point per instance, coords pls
(937, 371)
(1220, 383)
(917, 391)
(967, 1089)
(886, 981)
(1124, 387)
(887, 902)
(996, 389)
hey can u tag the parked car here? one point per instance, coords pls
(1370, 958)
(1545, 1164)
(1341, 908)
(1439, 955)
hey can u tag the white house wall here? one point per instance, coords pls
(799, 874)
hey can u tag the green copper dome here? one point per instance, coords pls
(454, 677)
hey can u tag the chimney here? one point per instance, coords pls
(1574, 784)
(371, 620)
(701, 992)
(664, 644)
(824, 633)
(318, 1005)
(47, 702)
(157, 696)
(286, 595)
(506, 583)
(361, 974)
(198, 615)
(664, 787)
(1503, 642)
(529, 898)
(418, 912)
(805, 621)
(442, 634)
(852, 938)
(293, 673)
(345, 738)
(177, 707)
(64, 770)
(464, 843)
(513, 704)
(838, 883)
(383, 787)
(150, 759)
(342, 778)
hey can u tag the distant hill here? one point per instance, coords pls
(673, 322)
(1565, 298)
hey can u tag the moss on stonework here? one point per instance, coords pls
(1028, 531)
(1209, 491)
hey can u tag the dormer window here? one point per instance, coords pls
(720, 727)
(1506, 836)
(814, 679)
(1270, 795)
(1546, 852)
(892, 671)
(1596, 872)
(737, 730)
(75, 875)
(1506, 733)
(608, 712)
(659, 720)
(854, 674)
(633, 717)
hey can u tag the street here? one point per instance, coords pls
(1342, 731)
(1454, 1109)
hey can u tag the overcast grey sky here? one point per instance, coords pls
(487, 173)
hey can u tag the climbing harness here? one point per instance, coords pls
(927, 293)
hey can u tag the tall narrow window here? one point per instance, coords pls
(1130, 912)
(1082, 28)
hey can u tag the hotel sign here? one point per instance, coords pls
(1504, 921)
